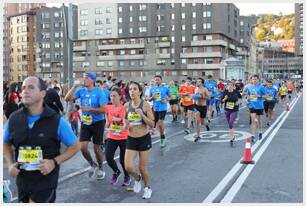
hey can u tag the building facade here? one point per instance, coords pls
(22, 46)
(299, 29)
(10, 9)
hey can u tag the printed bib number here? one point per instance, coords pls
(187, 98)
(173, 96)
(30, 159)
(269, 98)
(116, 129)
(230, 105)
(29, 155)
(87, 119)
(254, 97)
(134, 119)
(157, 96)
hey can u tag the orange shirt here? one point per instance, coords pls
(290, 86)
(186, 100)
(116, 130)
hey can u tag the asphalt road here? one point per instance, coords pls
(188, 172)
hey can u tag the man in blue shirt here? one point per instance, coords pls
(92, 101)
(36, 131)
(269, 102)
(255, 94)
(160, 94)
(211, 85)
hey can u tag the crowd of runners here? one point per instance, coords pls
(115, 114)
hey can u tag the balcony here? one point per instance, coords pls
(38, 60)
(202, 54)
(121, 57)
(164, 56)
(163, 44)
(208, 43)
(79, 59)
(204, 66)
(121, 46)
(80, 48)
(232, 46)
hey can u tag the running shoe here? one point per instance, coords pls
(232, 141)
(147, 193)
(183, 121)
(253, 139)
(260, 136)
(207, 128)
(212, 114)
(137, 185)
(197, 139)
(187, 131)
(115, 177)
(7, 193)
(268, 124)
(163, 142)
(126, 181)
(100, 174)
(92, 171)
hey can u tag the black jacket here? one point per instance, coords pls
(52, 99)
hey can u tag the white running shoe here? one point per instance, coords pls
(147, 193)
(92, 172)
(100, 174)
(137, 186)
(183, 121)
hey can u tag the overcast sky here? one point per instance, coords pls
(251, 8)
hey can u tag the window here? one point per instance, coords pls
(108, 21)
(209, 61)
(83, 32)
(194, 14)
(120, 30)
(172, 27)
(142, 18)
(142, 63)
(161, 28)
(131, 30)
(208, 13)
(84, 22)
(120, 9)
(131, 19)
(194, 49)
(208, 25)
(208, 49)
(109, 31)
(184, 61)
(131, 8)
(99, 31)
(108, 10)
(183, 38)
(120, 19)
(58, 45)
(193, 4)
(172, 39)
(183, 15)
(58, 34)
(133, 51)
(45, 35)
(241, 23)
(109, 63)
(172, 5)
(241, 40)
(46, 45)
(193, 26)
(85, 64)
(45, 26)
(122, 52)
(132, 62)
(183, 4)
(56, 14)
(98, 11)
(172, 16)
(100, 64)
(98, 21)
(121, 63)
(142, 29)
(83, 12)
(142, 7)
(45, 15)
(47, 55)
(209, 37)
(172, 50)
(183, 27)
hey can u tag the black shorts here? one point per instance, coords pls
(202, 110)
(269, 105)
(159, 115)
(143, 143)
(283, 96)
(94, 130)
(44, 196)
(190, 107)
(289, 91)
(257, 111)
(173, 101)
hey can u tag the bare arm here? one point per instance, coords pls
(68, 153)
(70, 96)
(8, 155)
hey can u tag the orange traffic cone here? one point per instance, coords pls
(247, 154)
(287, 107)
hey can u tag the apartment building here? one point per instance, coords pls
(299, 29)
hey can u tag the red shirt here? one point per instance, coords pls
(186, 99)
(221, 86)
(74, 116)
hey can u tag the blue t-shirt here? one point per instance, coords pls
(218, 94)
(107, 93)
(92, 98)
(255, 93)
(271, 92)
(162, 93)
(277, 85)
(64, 131)
(211, 85)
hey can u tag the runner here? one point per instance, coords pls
(232, 99)
(211, 85)
(173, 100)
(139, 117)
(160, 95)
(218, 100)
(255, 94)
(200, 97)
(291, 87)
(93, 101)
(181, 107)
(283, 91)
(186, 91)
(117, 135)
(269, 102)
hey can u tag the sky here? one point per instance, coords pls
(251, 8)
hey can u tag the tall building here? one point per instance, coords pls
(22, 45)
(299, 29)
(51, 41)
(10, 9)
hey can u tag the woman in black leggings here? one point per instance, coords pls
(117, 135)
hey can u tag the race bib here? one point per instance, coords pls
(269, 98)
(116, 129)
(173, 96)
(230, 105)
(87, 119)
(134, 119)
(253, 97)
(187, 98)
(30, 159)
(157, 96)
